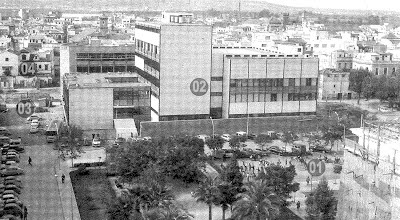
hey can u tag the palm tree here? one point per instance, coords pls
(257, 202)
(208, 193)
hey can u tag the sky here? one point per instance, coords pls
(343, 4)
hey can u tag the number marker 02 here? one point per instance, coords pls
(25, 108)
(316, 167)
(199, 87)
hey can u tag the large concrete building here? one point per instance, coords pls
(106, 104)
(370, 183)
(96, 58)
(170, 55)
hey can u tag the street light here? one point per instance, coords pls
(212, 122)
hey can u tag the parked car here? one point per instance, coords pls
(33, 130)
(96, 142)
(13, 209)
(241, 133)
(4, 132)
(252, 136)
(17, 148)
(261, 152)
(119, 140)
(276, 150)
(242, 154)
(34, 117)
(226, 137)
(319, 149)
(14, 141)
(147, 138)
(13, 187)
(203, 137)
(228, 153)
(35, 123)
(12, 171)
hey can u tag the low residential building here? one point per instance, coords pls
(377, 63)
(334, 84)
(102, 103)
(8, 63)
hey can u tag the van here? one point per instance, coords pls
(241, 133)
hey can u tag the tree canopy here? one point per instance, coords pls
(321, 204)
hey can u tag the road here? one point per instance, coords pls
(43, 194)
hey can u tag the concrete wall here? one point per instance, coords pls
(185, 55)
(228, 126)
(91, 112)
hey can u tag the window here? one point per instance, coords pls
(298, 49)
(7, 59)
(23, 57)
(345, 65)
(385, 70)
(291, 82)
(316, 45)
(393, 70)
(376, 71)
(291, 97)
(308, 81)
(340, 65)
(324, 45)
(274, 97)
(46, 67)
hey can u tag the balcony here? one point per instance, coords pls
(148, 54)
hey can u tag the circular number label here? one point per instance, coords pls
(27, 69)
(316, 167)
(25, 108)
(199, 87)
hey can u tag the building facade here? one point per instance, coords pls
(249, 82)
(334, 84)
(95, 101)
(378, 64)
(170, 56)
(96, 58)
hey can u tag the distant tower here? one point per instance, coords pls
(303, 18)
(103, 24)
(285, 20)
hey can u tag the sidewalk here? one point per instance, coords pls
(67, 195)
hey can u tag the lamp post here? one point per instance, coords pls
(212, 123)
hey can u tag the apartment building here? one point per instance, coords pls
(108, 105)
(377, 63)
(369, 182)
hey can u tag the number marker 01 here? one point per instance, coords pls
(25, 108)
(199, 87)
(316, 167)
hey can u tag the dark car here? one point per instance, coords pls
(252, 136)
(319, 149)
(242, 154)
(276, 150)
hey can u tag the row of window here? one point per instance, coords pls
(152, 71)
(105, 56)
(146, 28)
(274, 82)
(104, 69)
(123, 79)
(146, 47)
(271, 97)
(131, 112)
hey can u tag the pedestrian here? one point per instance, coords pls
(308, 180)
(62, 178)
(25, 213)
(286, 162)
(30, 161)
(298, 205)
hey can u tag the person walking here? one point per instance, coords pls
(30, 161)
(298, 205)
(62, 178)
(25, 213)
(308, 180)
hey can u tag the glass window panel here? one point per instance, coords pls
(261, 97)
(244, 97)
(250, 97)
(232, 98)
(238, 97)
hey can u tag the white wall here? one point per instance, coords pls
(185, 55)
(147, 36)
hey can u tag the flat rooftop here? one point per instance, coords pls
(239, 51)
(103, 80)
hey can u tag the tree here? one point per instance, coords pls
(368, 90)
(288, 138)
(262, 140)
(332, 133)
(230, 186)
(215, 143)
(321, 204)
(280, 179)
(234, 142)
(264, 13)
(356, 80)
(208, 192)
(258, 202)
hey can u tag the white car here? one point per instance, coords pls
(33, 117)
(33, 130)
(241, 133)
(384, 109)
(96, 142)
(35, 123)
(226, 137)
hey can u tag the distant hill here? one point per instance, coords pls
(168, 5)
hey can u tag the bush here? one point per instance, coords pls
(337, 169)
